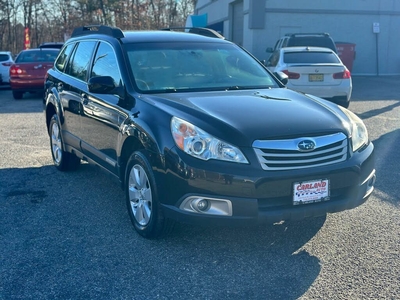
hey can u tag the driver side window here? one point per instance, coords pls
(105, 64)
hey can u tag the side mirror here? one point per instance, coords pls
(282, 77)
(269, 50)
(101, 85)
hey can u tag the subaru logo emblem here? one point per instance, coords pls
(306, 145)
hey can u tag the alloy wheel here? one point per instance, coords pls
(140, 195)
(56, 147)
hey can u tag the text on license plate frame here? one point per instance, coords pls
(315, 77)
(311, 191)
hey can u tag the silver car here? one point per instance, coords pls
(6, 61)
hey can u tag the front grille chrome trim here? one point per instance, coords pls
(285, 154)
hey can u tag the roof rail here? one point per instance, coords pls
(197, 30)
(98, 29)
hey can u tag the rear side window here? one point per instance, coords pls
(285, 42)
(62, 58)
(4, 57)
(310, 57)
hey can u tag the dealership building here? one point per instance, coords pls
(368, 30)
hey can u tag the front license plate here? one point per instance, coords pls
(310, 191)
(315, 77)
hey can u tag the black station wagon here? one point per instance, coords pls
(197, 130)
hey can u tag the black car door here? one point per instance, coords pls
(70, 87)
(102, 115)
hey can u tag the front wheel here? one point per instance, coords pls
(63, 160)
(142, 198)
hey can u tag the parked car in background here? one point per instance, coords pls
(55, 45)
(198, 131)
(6, 60)
(305, 39)
(314, 70)
(29, 70)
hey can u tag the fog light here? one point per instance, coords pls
(208, 206)
(199, 204)
(202, 205)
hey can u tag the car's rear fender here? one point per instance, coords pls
(52, 105)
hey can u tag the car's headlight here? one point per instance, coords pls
(359, 133)
(198, 143)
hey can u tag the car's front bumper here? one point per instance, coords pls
(258, 196)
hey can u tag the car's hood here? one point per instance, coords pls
(245, 116)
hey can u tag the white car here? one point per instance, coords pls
(314, 70)
(6, 61)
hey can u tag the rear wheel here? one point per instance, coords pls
(342, 101)
(63, 160)
(142, 198)
(17, 95)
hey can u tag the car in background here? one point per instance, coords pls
(197, 130)
(29, 70)
(6, 60)
(314, 70)
(55, 45)
(305, 39)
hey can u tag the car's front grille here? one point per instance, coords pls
(288, 155)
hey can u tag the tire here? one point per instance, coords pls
(17, 95)
(342, 101)
(64, 161)
(142, 198)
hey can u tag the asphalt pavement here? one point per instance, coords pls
(68, 235)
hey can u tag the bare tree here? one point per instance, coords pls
(54, 20)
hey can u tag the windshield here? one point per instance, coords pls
(169, 67)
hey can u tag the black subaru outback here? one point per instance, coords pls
(199, 131)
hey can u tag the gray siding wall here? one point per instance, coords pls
(346, 21)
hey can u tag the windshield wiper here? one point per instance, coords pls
(230, 88)
(269, 97)
(237, 87)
